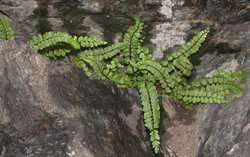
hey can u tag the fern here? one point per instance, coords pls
(56, 53)
(211, 90)
(90, 42)
(97, 67)
(104, 53)
(41, 42)
(191, 47)
(184, 65)
(133, 38)
(129, 65)
(151, 109)
(160, 74)
(6, 32)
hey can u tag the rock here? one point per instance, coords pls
(52, 109)
(82, 17)
(223, 130)
(209, 130)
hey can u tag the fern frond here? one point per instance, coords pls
(232, 76)
(79, 63)
(151, 109)
(155, 140)
(211, 90)
(104, 53)
(194, 96)
(56, 53)
(6, 32)
(97, 68)
(120, 79)
(41, 42)
(90, 42)
(191, 47)
(184, 65)
(133, 38)
(160, 73)
(219, 84)
(134, 32)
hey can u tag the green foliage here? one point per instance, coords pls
(191, 47)
(59, 44)
(211, 90)
(90, 42)
(103, 53)
(129, 65)
(6, 32)
(133, 39)
(54, 44)
(151, 109)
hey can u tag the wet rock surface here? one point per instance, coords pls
(49, 109)
(207, 130)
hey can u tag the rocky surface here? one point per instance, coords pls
(207, 130)
(100, 18)
(49, 109)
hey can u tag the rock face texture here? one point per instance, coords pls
(224, 129)
(105, 19)
(53, 110)
(206, 131)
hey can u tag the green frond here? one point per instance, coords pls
(105, 53)
(49, 39)
(120, 79)
(220, 84)
(133, 33)
(155, 140)
(211, 90)
(6, 32)
(79, 63)
(133, 38)
(159, 72)
(232, 76)
(92, 67)
(191, 47)
(195, 96)
(56, 53)
(184, 65)
(90, 42)
(151, 109)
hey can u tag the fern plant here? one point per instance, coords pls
(6, 32)
(129, 65)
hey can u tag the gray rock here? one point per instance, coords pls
(224, 129)
(82, 17)
(49, 109)
(210, 130)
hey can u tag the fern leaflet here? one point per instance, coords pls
(6, 32)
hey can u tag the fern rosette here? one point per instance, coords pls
(129, 65)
